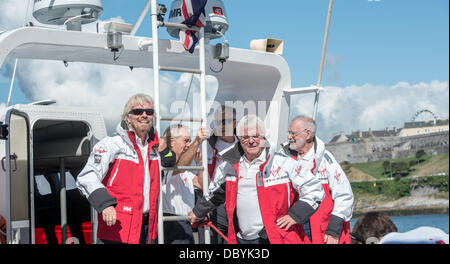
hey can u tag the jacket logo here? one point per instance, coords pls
(97, 158)
(298, 169)
(322, 172)
(99, 150)
(276, 173)
(127, 209)
(337, 176)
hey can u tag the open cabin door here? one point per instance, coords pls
(16, 163)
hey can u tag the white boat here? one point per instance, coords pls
(44, 139)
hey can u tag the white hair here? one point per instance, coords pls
(250, 121)
(307, 123)
(174, 131)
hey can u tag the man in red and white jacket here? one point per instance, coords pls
(330, 224)
(121, 178)
(267, 194)
(224, 136)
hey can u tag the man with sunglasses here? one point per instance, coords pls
(260, 188)
(224, 136)
(330, 224)
(121, 178)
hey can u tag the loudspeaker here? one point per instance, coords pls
(267, 45)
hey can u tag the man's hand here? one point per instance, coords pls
(286, 222)
(198, 157)
(194, 218)
(202, 134)
(329, 239)
(109, 215)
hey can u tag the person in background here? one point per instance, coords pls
(371, 227)
(178, 186)
(259, 187)
(330, 224)
(224, 136)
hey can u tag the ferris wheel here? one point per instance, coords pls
(423, 115)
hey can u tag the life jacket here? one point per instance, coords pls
(275, 197)
(125, 182)
(320, 219)
(212, 156)
(212, 165)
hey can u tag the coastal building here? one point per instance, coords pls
(372, 145)
(424, 127)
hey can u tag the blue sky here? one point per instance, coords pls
(378, 42)
(395, 50)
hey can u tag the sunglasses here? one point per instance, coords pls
(140, 111)
(223, 122)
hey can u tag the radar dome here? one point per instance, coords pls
(216, 19)
(59, 12)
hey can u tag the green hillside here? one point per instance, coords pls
(423, 166)
(373, 185)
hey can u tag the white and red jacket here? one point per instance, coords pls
(281, 187)
(335, 211)
(213, 155)
(114, 175)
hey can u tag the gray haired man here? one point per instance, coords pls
(260, 188)
(330, 224)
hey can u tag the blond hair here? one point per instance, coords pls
(136, 100)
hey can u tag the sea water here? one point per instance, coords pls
(409, 222)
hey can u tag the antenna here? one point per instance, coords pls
(324, 49)
(71, 13)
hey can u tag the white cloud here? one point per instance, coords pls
(377, 106)
(104, 88)
(12, 13)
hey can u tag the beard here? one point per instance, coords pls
(297, 145)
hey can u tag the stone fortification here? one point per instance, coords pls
(387, 147)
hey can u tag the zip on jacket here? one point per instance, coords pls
(282, 189)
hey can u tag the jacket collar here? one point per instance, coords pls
(213, 140)
(130, 137)
(287, 150)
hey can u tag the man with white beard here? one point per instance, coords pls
(330, 224)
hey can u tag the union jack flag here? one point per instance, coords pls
(194, 14)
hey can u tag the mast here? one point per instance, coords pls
(324, 49)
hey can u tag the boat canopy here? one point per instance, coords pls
(247, 76)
